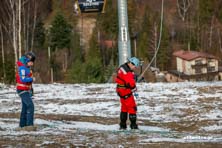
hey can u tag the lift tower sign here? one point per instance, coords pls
(87, 6)
(124, 48)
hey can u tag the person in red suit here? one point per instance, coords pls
(126, 87)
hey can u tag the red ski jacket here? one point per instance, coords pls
(126, 83)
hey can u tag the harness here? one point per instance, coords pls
(126, 96)
(121, 86)
(124, 86)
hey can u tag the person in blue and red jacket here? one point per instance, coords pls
(126, 87)
(24, 81)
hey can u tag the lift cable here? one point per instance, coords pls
(158, 46)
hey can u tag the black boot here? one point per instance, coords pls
(133, 124)
(123, 118)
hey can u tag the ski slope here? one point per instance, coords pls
(184, 113)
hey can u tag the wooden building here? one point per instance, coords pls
(194, 66)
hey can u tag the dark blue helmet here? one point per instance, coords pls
(30, 56)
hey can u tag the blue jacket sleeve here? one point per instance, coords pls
(23, 74)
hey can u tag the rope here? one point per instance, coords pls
(158, 46)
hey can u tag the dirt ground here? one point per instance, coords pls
(170, 117)
(51, 136)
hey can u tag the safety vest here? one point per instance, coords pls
(23, 85)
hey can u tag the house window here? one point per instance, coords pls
(198, 71)
(210, 69)
(198, 62)
(210, 60)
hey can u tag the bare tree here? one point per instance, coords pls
(34, 23)
(153, 42)
(20, 28)
(183, 6)
(211, 32)
(3, 54)
(12, 23)
(219, 40)
(12, 9)
(27, 20)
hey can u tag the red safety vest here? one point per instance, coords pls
(19, 84)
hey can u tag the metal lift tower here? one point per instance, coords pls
(124, 48)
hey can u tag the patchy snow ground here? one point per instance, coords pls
(87, 115)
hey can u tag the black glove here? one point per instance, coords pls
(141, 80)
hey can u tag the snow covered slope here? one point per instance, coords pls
(188, 112)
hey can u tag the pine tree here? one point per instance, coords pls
(131, 5)
(144, 35)
(164, 53)
(94, 68)
(39, 35)
(206, 11)
(108, 22)
(60, 33)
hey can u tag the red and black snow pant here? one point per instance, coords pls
(128, 105)
(127, 100)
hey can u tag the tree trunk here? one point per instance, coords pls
(27, 31)
(198, 25)
(211, 32)
(19, 28)
(24, 27)
(219, 40)
(3, 55)
(155, 42)
(14, 28)
(183, 8)
(34, 25)
(51, 70)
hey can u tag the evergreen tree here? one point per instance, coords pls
(76, 74)
(60, 33)
(164, 53)
(107, 24)
(206, 11)
(144, 35)
(131, 5)
(108, 21)
(10, 72)
(39, 35)
(219, 11)
(94, 68)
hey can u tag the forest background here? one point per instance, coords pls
(82, 48)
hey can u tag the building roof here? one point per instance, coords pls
(191, 55)
(108, 43)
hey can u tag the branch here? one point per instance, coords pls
(183, 8)
(25, 2)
